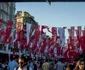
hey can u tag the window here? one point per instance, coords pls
(7, 18)
(1, 15)
(6, 8)
(4, 17)
(13, 4)
(13, 12)
(1, 5)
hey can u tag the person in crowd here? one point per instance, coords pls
(35, 65)
(5, 65)
(59, 65)
(31, 64)
(40, 64)
(80, 65)
(13, 64)
(45, 65)
(70, 67)
(51, 67)
(66, 64)
(22, 61)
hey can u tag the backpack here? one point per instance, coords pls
(18, 67)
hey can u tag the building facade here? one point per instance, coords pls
(22, 18)
(7, 12)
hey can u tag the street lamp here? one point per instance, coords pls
(49, 2)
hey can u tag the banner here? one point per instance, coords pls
(8, 31)
(28, 28)
(61, 32)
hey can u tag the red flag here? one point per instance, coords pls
(37, 50)
(35, 36)
(23, 40)
(82, 40)
(68, 41)
(78, 35)
(1, 22)
(76, 42)
(34, 45)
(19, 36)
(59, 51)
(51, 50)
(43, 46)
(2, 32)
(8, 31)
(43, 27)
(22, 44)
(36, 33)
(9, 41)
(72, 31)
(54, 31)
(70, 55)
(71, 36)
(79, 31)
(83, 31)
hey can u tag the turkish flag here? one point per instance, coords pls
(8, 31)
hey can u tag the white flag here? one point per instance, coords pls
(61, 32)
(28, 27)
(46, 49)
(55, 50)
(20, 53)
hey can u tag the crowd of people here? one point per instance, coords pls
(27, 63)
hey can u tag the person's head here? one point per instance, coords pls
(68, 68)
(80, 64)
(15, 58)
(59, 60)
(22, 61)
(30, 60)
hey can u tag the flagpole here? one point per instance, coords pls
(19, 52)
(9, 55)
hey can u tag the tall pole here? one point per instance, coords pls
(9, 55)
